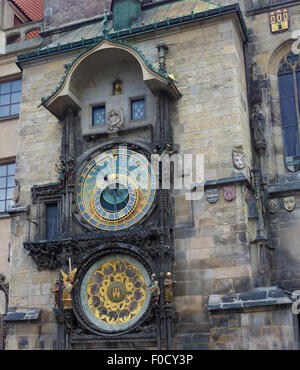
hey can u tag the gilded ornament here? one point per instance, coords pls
(69, 283)
(289, 203)
(279, 20)
(116, 292)
(273, 206)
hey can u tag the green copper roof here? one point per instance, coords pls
(150, 16)
(153, 18)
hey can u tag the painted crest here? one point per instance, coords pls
(292, 163)
(212, 195)
(273, 205)
(239, 159)
(289, 203)
(279, 20)
(229, 192)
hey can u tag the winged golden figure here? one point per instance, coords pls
(67, 288)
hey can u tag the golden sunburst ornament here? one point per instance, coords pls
(116, 292)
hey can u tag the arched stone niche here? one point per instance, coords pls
(92, 83)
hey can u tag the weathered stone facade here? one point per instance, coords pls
(235, 263)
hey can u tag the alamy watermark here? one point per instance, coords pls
(179, 171)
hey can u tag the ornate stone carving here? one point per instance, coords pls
(115, 120)
(45, 191)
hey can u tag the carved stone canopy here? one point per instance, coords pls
(68, 94)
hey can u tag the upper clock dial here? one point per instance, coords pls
(116, 189)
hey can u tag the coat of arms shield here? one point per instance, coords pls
(289, 203)
(229, 192)
(239, 159)
(212, 195)
(273, 206)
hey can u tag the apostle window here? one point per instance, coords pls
(10, 97)
(99, 115)
(289, 92)
(138, 109)
(7, 185)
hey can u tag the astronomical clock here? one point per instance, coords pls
(112, 243)
(116, 190)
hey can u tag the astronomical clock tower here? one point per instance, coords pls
(111, 242)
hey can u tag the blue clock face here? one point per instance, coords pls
(116, 189)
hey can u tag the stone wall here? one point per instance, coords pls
(60, 12)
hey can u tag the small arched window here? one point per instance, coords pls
(289, 93)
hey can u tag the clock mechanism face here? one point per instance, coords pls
(114, 293)
(116, 189)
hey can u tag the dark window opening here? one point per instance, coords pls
(51, 221)
(289, 93)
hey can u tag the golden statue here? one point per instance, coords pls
(169, 288)
(117, 87)
(67, 288)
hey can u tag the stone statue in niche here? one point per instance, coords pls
(69, 172)
(258, 121)
(117, 87)
(56, 291)
(169, 288)
(115, 120)
(60, 169)
(154, 289)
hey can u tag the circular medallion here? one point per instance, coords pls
(116, 189)
(114, 293)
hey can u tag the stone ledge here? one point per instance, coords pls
(226, 180)
(22, 314)
(266, 296)
(17, 209)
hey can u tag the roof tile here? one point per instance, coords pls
(33, 9)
